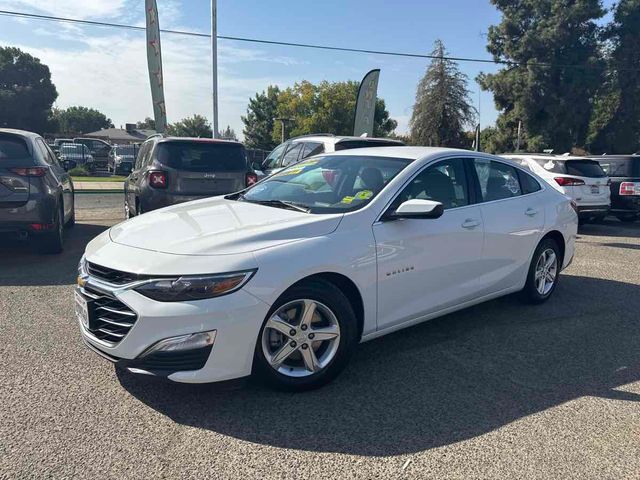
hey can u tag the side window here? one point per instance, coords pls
(444, 182)
(46, 154)
(497, 180)
(312, 148)
(140, 160)
(292, 154)
(528, 183)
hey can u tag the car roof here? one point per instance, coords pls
(409, 153)
(22, 133)
(330, 138)
(197, 140)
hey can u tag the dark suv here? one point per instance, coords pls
(36, 192)
(624, 172)
(99, 150)
(171, 170)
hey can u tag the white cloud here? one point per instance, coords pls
(68, 8)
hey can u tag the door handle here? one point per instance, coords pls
(470, 223)
(531, 212)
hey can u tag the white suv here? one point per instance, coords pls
(298, 148)
(580, 178)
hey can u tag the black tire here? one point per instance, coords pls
(530, 292)
(627, 219)
(330, 296)
(52, 242)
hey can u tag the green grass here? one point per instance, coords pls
(117, 178)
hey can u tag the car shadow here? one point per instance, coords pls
(21, 265)
(438, 383)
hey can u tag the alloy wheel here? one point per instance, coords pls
(546, 271)
(301, 338)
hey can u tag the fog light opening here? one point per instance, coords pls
(191, 341)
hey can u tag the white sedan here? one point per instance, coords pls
(285, 278)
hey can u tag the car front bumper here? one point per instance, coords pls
(234, 319)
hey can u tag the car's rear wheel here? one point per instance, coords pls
(52, 242)
(544, 271)
(307, 338)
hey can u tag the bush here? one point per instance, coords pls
(79, 172)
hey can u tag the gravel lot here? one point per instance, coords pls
(498, 390)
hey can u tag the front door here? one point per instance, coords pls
(426, 265)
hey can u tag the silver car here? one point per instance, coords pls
(171, 170)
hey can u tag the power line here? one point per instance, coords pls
(10, 13)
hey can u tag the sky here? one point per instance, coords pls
(105, 68)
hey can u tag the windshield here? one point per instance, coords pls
(329, 184)
(202, 156)
(585, 168)
(126, 150)
(12, 148)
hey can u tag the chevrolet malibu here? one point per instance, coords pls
(286, 277)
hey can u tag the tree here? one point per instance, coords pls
(26, 91)
(328, 107)
(554, 103)
(443, 108)
(258, 124)
(615, 123)
(195, 126)
(79, 120)
(228, 134)
(147, 124)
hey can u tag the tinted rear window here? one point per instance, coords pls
(585, 168)
(350, 144)
(621, 167)
(202, 157)
(11, 147)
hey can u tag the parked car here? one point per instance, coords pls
(99, 150)
(73, 155)
(36, 193)
(122, 159)
(171, 170)
(299, 148)
(285, 278)
(580, 178)
(624, 172)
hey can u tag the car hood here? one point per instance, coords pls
(216, 226)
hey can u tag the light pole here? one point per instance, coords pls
(282, 121)
(214, 64)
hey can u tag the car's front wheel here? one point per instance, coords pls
(543, 273)
(307, 338)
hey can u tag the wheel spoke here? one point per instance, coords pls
(550, 260)
(281, 355)
(326, 333)
(551, 277)
(277, 323)
(307, 312)
(310, 360)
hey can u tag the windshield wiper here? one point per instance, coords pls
(282, 204)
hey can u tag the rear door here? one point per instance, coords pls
(203, 168)
(14, 187)
(60, 175)
(512, 207)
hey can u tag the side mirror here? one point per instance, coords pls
(417, 209)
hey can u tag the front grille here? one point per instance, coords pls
(115, 277)
(109, 319)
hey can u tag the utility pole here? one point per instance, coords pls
(519, 135)
(282, 122)
(214, 64)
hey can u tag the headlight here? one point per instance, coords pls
(194, 287)
(82, 266)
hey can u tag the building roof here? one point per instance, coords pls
(121, 135)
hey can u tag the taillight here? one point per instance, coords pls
(30, 171)
(158, 179)
(568, 181)
(250, 179)
(627, 188)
